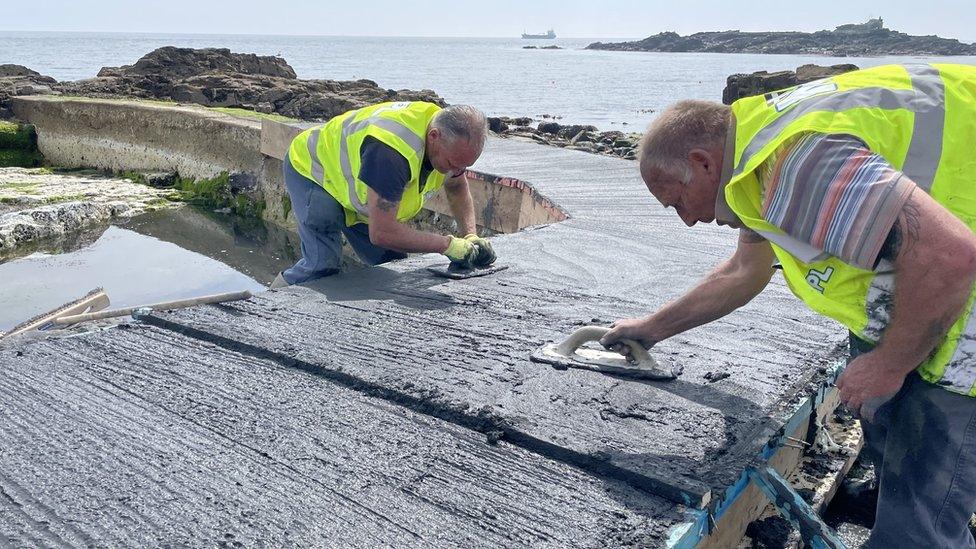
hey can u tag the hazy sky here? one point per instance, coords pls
(570, 18)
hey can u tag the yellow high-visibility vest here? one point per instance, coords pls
(329, 155)
(922, 120)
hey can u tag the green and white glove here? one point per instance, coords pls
(486, 254)
(461, 252)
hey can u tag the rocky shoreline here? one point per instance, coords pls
(212, 77)
(866, 39)
(267, 85)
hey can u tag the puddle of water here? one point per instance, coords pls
(160, 256)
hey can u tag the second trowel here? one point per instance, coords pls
(571, 354)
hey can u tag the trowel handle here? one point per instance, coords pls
(594, 333)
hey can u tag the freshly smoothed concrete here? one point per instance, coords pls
(454, 356)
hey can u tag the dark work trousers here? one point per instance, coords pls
(321, 221)
(923, 446)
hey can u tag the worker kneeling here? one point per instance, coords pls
(368, 171)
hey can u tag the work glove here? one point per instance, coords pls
(461, 252)
(486, 254)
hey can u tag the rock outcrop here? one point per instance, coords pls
(19, 80)
(744, 85)
(870, 38)
(215, 78)
(570, 136)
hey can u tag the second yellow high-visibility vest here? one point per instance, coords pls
(922, 120)
(329, 154)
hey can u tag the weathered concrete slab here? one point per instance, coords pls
(406, 368)
(139, 437)
(461, 349)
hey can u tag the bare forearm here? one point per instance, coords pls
(724, 290)
(462, 206)
(402, 238)
(387, 232)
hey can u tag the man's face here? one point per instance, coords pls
(450, 158)
(695, 201)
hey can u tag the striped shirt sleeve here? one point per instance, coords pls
(833, 193)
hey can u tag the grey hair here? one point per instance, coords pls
(462, 121)
(686, 125)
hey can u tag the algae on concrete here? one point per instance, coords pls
(18, 146)
(216, 192)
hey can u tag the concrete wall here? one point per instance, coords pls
(194, 141)
(141, 135)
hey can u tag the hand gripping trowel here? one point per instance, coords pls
(570, 354)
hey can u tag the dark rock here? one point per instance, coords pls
(172, 62)
(569, 131)
(496, 124)
(550, 127)
(160, 179)
(220, 78)
(19, 80)
(583, 136)
(869, 38)
(745, 85)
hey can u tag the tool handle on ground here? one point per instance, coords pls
(594, 333)
(164, 306)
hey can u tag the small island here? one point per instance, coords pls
(865, 39)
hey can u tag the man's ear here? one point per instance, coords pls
(434, 134)
(703, 160)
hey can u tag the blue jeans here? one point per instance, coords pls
(923, 446)
(321, 222)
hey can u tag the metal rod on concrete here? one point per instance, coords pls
(164, 306)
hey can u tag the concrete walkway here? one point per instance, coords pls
(359, 410)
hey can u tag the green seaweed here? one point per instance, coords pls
(210, 192)
(22, 187)
(285, 206)
(135, 177)
(20, 158)
(21, 137)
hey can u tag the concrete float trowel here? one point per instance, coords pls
(571, 354)
(459, 273)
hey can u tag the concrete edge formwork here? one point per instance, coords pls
(724, 522)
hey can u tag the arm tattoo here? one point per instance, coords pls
(903, 235)
(385, 204)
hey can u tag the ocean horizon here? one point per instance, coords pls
(610, 90)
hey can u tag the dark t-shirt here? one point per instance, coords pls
(385, 170)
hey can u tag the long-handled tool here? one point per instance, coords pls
(571, 354)
(95, 300)
(164, 306)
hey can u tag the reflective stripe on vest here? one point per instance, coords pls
(919, 129)
(926, 100)
(348, 128)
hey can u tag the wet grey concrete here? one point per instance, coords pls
(453, 357)
(461, 348)
(147, 438)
